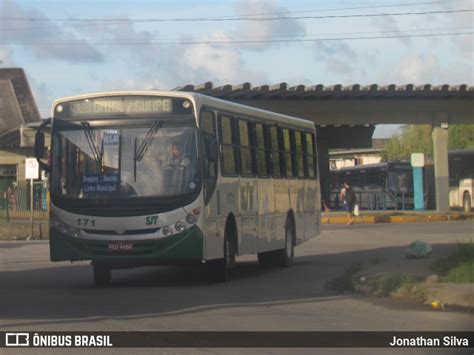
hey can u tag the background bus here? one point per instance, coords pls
(381, 186)
(245, 181)
(461, 179)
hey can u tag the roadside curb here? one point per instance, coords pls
(450, 294)
(397, 217)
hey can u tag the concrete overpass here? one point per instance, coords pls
(346, 115)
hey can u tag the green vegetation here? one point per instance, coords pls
(386, 284)
(457, 267)
(412, 289)
(417, 138)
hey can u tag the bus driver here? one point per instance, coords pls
(176, 159)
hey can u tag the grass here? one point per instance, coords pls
(457, 267)
(462, 273)
(411, 289)
(387, 284)
(379, 285)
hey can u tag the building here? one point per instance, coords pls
(19, 116)
(341, 158)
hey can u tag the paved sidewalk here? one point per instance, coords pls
(371, 217)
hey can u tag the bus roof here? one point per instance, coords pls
(200, 100)
(372, 166)
(461, 152)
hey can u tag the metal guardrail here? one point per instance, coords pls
(15, 199)
(374, 201)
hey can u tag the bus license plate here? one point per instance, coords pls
(120, 246)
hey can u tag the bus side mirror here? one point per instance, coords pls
(212, 155)
(39, 145)
(39, 150)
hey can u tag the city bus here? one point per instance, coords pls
(381, 186)
(461, 179)
(158, 178)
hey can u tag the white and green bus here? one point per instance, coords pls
(154, 178)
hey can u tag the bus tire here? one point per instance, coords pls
(219, 269)
(466, 202)
(102, 274)
(284, 257)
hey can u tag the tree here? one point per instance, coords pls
(417, 139)
(461, 136)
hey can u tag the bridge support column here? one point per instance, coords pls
(440, 156)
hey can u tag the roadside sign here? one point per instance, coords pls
(31, 168)
(417, 160)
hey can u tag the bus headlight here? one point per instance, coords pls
(166, 231)
(191, 219)
(63, 227)
(179, 226)
(183, 224)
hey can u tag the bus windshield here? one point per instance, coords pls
(400, 181)
(151, 161)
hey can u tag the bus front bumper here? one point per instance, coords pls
(185, 247)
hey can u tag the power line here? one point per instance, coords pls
(237, 41)
(291, 12)
(309, 35)
(240, 18)
(118, 21)
(348, 8)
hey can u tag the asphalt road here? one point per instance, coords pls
(37, 294)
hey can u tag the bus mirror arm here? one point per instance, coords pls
(39, 144)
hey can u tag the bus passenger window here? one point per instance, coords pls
(299, 154)
(310, 158)
(229, 156)
(276, 159)
(262, 153)
(287, 149)
(245, 149)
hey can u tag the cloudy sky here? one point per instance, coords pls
(73, 47)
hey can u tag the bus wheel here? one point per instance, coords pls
(285, 257)
(102, 274)
(281, 257)
(219, 269)
(466, 202)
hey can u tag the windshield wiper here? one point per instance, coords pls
(96, 151)
(145, 144)
(150, 135)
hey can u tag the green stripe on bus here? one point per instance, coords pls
(185, 246)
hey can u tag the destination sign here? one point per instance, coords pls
(118, 105)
